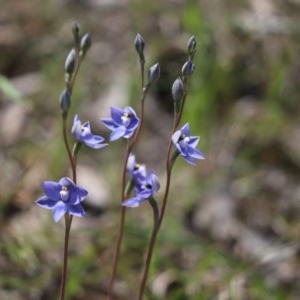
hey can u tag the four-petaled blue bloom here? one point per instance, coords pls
(63, 197)
(83, 134)
(186, 144)
(136, 171)
(144, 189)
(123, 122)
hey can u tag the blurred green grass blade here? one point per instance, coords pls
(11, 92)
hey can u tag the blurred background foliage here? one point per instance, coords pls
(233, 222)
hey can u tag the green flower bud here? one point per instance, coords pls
(139, 44)
(191, 46)
(85, 44)
(76, 30)
(70, 62)
(65, 101)
(154, 73)
(177, 90)
(187, 69)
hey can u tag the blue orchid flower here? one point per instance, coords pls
(63, 197)
(136, 171)
(122, 123)
(144, 189)
(83, 134)
(186, 144)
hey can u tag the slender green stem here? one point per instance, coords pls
(121, 230)
(156, 227)
(68, 222)
(68, 218)
(179, 115)
(150, 248)
(117, 252)
(68, 149)
(147, 262)
(143, 72)
(124, 195)
(70, 85)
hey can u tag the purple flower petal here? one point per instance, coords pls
(65, 181)
(193, 142)
(77, 196)
(117, 133)
(190, 160)
(59, 210)
(76, 210)
(176, 136)
(76, 129)
(197, 154)
(116, 115)
(154, 182)
(46, 202)
(52, 190)
(186, 129)
(133, 124)
(132, 202)
(109, 123)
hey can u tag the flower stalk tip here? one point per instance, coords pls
(139, 44)
(191, 46)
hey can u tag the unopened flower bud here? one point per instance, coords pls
(139, 44)
(70, 62)
(65, 101)
(85, 44)
(177, 90)
(191, 46)
(153, 73)
(187, 69)
(75, 30)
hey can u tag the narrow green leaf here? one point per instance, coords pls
(11, 92)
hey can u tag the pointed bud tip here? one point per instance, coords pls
(139, 44)
(177, 90)
(65, 101)
(70, 62)
(75, 28)
(154, 73)
(191, 45)
(86, 43)
(187, 69)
